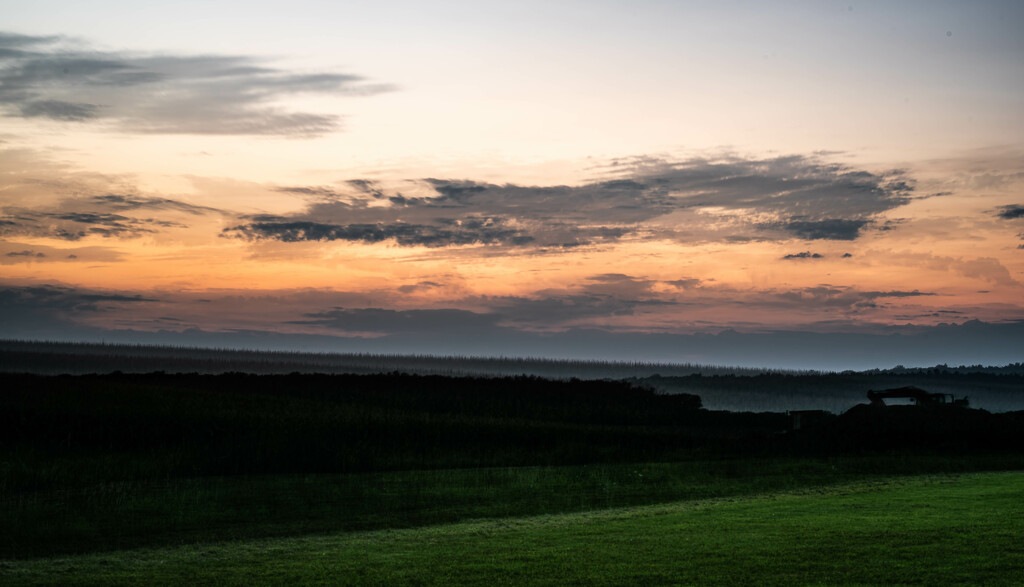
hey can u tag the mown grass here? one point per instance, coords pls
(949, 529)
(127, 514)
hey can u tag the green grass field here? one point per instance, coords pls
(933, 529)
(133, 513)
(171, 478)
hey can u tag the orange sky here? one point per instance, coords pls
(661, 169)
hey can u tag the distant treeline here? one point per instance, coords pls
(59, 431)
(82, 358)
(162, 425)
(1010, 369)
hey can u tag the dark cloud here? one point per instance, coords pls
(685, 283)
(13, 43)
(1011, 212)
(847, 301)
(804, 255)
(515, 326)
(13, 252)
(598, 296)
(471, 232)
(46, 77)
(64, 299)
(321, 192)
(58, 110)
(891, 224)
(131, 202)
(618, 285)
(897, 294)
(262, 218)
(423, 285)
(612, 278)
(102, 215)
(555, 310)
(504, 314)
(698, 200)
(367, 187)
(830, 229)
(420, 322)
(59, 313)
(74, 226)
(796, 187)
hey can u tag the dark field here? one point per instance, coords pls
(101, 461)
(104, 463)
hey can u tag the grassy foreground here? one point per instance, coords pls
(131, 514)
(937, 529)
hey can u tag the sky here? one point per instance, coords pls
(801, 184)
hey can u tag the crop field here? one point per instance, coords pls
(934, 529)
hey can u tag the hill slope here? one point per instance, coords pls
(934, 529)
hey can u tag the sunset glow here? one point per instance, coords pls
(479, 178)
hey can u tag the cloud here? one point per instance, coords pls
(104, 215)
(65, 299)
(685, 283)
(14, 252)
(421, 286)
(984, 268)
(420, 322)
(471, 232)
(52, 78)
(318, 191)
(804, 255)
(727, 199)
(830, 229)
(556, 310)
(133, 202)
(818, 296)
(597, 297)
(506, 314)
(73, 226)
(1011, 212)
(828, 299)
(897, 294)
(459, 332)
(58, 110)
(642, 323)
(58, 313)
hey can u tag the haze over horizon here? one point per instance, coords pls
(789, 184)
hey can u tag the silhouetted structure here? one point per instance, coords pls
(918, 396)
